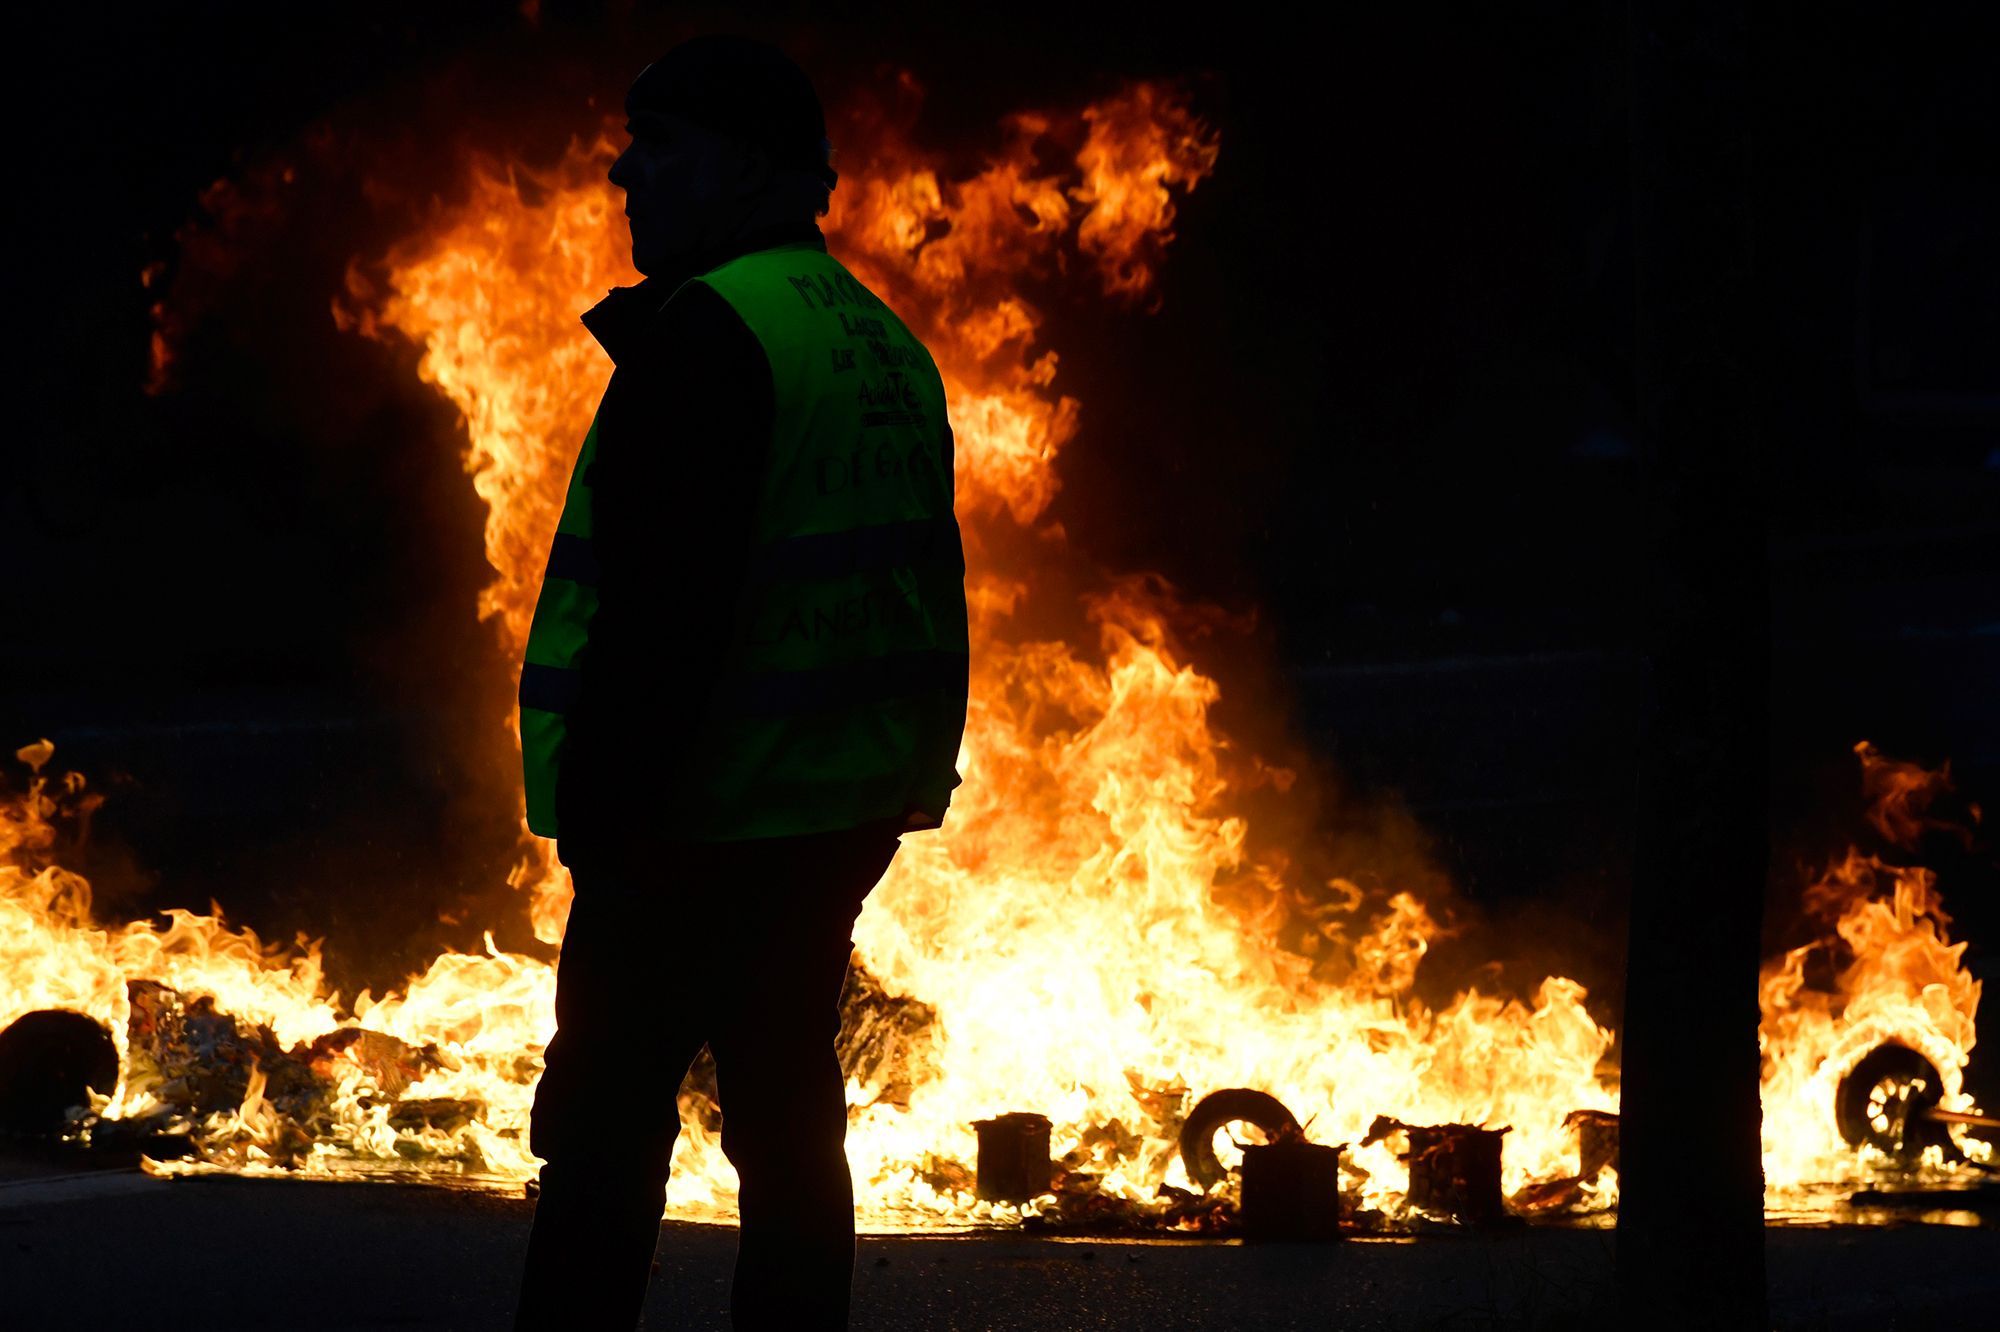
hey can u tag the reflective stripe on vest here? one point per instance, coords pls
(840, 697)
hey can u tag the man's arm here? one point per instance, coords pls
(674, 489)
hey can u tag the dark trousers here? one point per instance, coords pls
(743, 946)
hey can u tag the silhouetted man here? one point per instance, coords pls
(746, 678)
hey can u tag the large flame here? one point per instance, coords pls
(1895, 977)
(1062, 927)
(1090, 936)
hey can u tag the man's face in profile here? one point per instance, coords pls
(673, 175)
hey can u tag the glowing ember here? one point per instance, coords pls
(1061, 945)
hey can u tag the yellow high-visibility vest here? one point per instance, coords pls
(841, 694)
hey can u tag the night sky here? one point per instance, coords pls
(1385, 403)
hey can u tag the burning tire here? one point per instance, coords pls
(1214, 1110)
(49, 1060)
(1885, 1102)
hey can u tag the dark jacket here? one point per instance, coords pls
(681, 438)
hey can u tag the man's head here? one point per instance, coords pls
(727, 134)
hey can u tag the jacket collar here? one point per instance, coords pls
(622, 321)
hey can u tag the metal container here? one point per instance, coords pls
(1013, 1157)
(1291, 1191)
(1455, 1172)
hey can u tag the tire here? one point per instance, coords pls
(1214, 1110)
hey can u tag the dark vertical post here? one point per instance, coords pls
(1690, 1224)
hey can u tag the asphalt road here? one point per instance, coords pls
(118, 1248)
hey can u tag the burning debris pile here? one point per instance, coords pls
(1086, 952)
(230, 1055)
(234, 1054)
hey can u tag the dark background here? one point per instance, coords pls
(1386, 403)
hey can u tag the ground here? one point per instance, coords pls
(120, 1248)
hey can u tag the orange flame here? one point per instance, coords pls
(478, 1015)
(1899, 978)
(1062, 926)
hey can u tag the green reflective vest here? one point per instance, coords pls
(841, 694)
